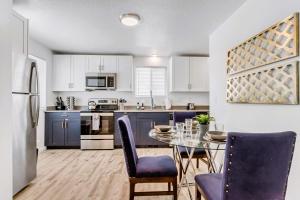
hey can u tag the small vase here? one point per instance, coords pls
(203, 130)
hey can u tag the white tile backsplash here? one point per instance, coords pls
(199, 98)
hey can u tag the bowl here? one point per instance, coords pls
(163, 128)
(217, 135)
(215, 132)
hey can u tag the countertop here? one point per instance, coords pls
(198, 108)
(133, 109)
(76, 109)
(62, 111)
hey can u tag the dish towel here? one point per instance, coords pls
(96, 122)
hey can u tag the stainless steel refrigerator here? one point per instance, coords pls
(25, 108)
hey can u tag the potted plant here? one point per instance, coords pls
(203, 120)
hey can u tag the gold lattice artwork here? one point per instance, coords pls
(266, 85)
(279, 42)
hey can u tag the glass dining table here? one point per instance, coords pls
(191, 142)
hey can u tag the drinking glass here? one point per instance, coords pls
(188, 127)
(213, 126)
(180, 127)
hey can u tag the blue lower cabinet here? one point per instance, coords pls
(57, 136)
(145, 122)
(141, 124)
(62, 129)
(72, 132)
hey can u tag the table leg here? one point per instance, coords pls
(211, 159)
(185, 167)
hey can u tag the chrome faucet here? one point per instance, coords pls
(152, 101)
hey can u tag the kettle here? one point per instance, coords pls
(190, 106)
(92, 105)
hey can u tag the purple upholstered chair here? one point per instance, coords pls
(157, 169)
(256, 168)
(198, 153)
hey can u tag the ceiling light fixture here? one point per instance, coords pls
(130, 19)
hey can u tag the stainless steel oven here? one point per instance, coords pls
(97, 130)
(100, 81)
(97, 125)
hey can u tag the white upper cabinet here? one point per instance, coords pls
(78, 69)
(179, 74)
(125, 73)
(69, 72)
(94, 64)
(199, 74)
(108, 64)
(19, 35)
(188, 74)
(102, 64)
(61, 73)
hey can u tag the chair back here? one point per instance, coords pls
(128, 144)
(181, 116)
(257, 165)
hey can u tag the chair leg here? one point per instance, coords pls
(175, 188)
(197, 194)
(131, 195)
(180, 172)
(197, 163)
(208, 165)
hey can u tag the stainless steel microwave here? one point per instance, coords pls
(100, 81)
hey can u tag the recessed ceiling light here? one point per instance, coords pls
(130, 19)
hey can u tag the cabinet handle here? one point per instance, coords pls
(66, 123)
(152, 124)
(63, 124)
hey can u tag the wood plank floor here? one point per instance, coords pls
(88, 175)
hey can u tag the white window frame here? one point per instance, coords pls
(152, 67)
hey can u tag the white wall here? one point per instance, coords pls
(39, 50)
(200, 98)
(5, 101)
(251, 18)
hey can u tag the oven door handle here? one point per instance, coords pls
(86, 114)
(100, 114)
(106, 114)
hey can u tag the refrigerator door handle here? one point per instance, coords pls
(33, 80)
(31, 111)
(38, 110)
(34, 109)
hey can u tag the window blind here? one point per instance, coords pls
(150, 78)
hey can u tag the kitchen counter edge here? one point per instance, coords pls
(200, 110)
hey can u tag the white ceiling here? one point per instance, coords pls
(169, 27)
